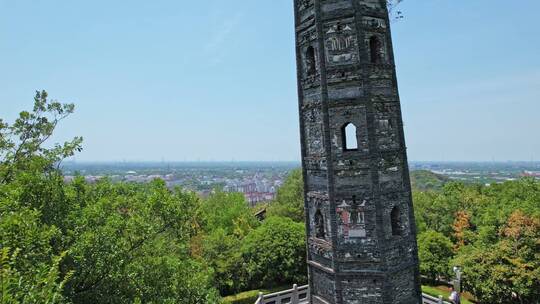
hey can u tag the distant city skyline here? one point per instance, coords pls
(216, 80)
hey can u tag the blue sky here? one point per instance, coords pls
(215, 80)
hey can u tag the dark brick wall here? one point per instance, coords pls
(346, 75)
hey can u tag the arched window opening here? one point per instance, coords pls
(350, 141)
(375, 49)
(319, 225)
(310, 61)
(395, 217)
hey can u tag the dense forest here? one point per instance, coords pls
(144, 243)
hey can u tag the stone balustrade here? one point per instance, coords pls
(296, 295)
(300, 295)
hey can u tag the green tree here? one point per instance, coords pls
(29, 238)
(82, 243)
(289, 200)
(227, 211)
(274, 254)
(132, 241)
(424, 180)
(225, 220)
(435, 253)
(509, 270)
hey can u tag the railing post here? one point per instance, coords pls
(260, 300)
(440, 300)
(294, 297)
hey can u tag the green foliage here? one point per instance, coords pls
(225, 220)
(274, 253)
(494, 231)
(424, 180)
(43, 285)
(247, 297)
(82, 243)
(437, 210)
(133, 241)
(435, 253)
(509, 268)
(245, 254)
(227, 211)
(21, 144)
(289, 200)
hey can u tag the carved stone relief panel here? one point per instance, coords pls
(352, 219)
(306, 10)
(340, 42)
(313, 128)
(374, 23)
(390, 173)
(387, 126)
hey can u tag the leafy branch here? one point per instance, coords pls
(25, 138)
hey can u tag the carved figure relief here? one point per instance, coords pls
(341, 42)
(314, 132)
(351, 220)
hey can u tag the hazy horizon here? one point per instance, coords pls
(166, 162)
(216, 80)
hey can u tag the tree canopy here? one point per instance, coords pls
(83, 243)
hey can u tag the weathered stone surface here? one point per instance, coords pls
(360, 225)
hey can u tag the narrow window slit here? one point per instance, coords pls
(350, 137)
(310, 61)
(320, 232)
(375, 49)
(395, 218)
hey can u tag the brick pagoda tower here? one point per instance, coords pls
(359, 214)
